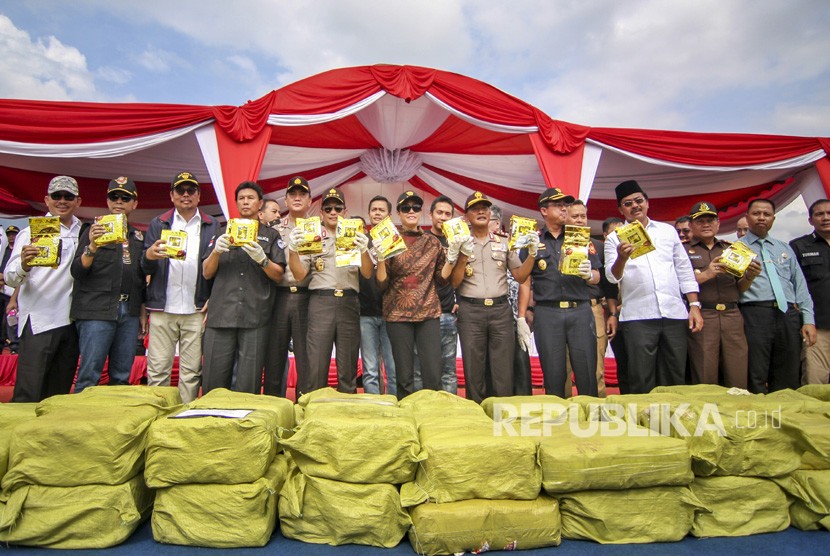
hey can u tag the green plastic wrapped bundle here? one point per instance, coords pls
(637, 515)
(818, 391)
(328, 394)
(357, 443)
(695, 390)
(221, 398)
(322, 511)
(428, 401)
(467, 461)
(481, 525)
(211, 449)
(739, 506)
(163, 398)
(220, 516)
(78, 517)
(79, 446)
(809, 492)
(552, 409)
(604, 462)
(11, 415)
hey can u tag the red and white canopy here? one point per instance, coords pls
(382, 129)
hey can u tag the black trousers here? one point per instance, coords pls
(404, 337)
(522, 385)
(559, 332)
(333, 322)
(289, 322)
(234, 352)
(487, 342)
(46, 363)
(774, 342)
(656, 350)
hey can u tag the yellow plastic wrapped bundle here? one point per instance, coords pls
(637, 515)
(220, 516)
(78, 517)
(162, 398)
(551, 409)
(322, 511)
(809, 492)
(329, 394)
(222, 398)
(818, 391)
(11, 415)
(739, 506)
(356, 442)
(481, 525)
(79, 446)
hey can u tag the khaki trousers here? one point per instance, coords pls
(167, 330)
(817, 361)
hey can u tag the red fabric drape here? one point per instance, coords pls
(240, 161)
(559, 170)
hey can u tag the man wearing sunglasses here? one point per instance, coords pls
(333, 307)
(241, 300)
(48, 351)
(108, 300)
(178, 291)
(654, 319)
(289, 322)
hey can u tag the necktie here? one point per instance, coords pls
(774, 279)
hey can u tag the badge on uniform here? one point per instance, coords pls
(499, 264)
(542, 264)
(320, 264)
(281, 243)
(468, 270)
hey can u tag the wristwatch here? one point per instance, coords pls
(264, 264)
(695, 304)
(89, 252)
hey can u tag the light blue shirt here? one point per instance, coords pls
(789, 272)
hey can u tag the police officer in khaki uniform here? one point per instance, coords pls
(721, 345)
(485, 319)
(289, 322)
(333, 306)
(564, 319)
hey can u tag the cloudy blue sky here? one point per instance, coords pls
(755, 66)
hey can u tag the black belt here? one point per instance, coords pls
(335, 293)
(292, 289)
(719, 306)
(124, 297)
(768, 304)
(486, 301)
(561, 304)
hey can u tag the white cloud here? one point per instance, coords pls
(42, 69)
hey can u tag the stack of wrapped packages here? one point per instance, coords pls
(217, 469)
(476, 490)
(808, 487)
(614, 483)
(75, 472)
(348, 456)
(11, 415)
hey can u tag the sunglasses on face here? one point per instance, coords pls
(123, 197)
(630, 203)
(336, 208)
(186, 190)
(59, 195)
(411, 208)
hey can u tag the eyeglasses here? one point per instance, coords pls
(60, 195)
(631, 202)
(185, 190)
(411, 208)
(336, 208)
(123, 197)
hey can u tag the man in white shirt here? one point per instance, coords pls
(48, 339)
(654, 318)
(177, 294)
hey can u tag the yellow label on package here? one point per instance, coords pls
(636, 235)
(312, 243)
(520, 227)
(346, 253)
(574, 249)
(115, 229)
(46, 236)
(455, 227)
(175, 244)
(387, 239)
(736, 258)
(242, 231)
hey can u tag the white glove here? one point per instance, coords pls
(255, 251)
(465, 245)
(532, 243)
(585, 269)
(361, 241)
(524, 333)
(295, 238)
(223, 244)
(452, 252)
